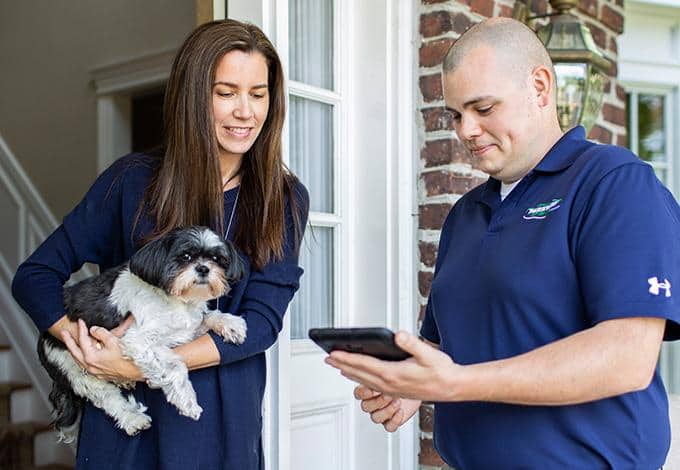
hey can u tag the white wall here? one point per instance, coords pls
(47, 101)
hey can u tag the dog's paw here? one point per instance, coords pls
(230, 327)
(134, 422)
(192, 411)
(127, 385)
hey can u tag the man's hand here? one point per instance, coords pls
(388, 411)
(428, 375)
(100, 353)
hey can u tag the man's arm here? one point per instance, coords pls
(614, 357)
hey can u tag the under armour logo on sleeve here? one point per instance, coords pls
(655, 285)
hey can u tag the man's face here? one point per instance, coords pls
(495, 114)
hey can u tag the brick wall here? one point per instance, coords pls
(446, 170)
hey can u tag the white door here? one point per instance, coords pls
(649, 70)
(349, 139)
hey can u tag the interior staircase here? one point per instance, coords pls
(27, 441)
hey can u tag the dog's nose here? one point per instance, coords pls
(202, 269)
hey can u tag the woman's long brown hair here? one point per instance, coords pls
(186, 188)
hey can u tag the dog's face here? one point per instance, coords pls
(192, 263)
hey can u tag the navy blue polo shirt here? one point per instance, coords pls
(588, 235)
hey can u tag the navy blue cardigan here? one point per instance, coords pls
(228, 434)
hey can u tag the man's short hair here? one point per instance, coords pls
(514, 42)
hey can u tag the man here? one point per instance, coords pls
(552, 290)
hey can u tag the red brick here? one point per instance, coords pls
(432, 216)
(504, 11)
(540, 7)
(444, 182)
(424, 283)
(431, 88)
(618, 3)
(599, 35)
(426, 418)
(430, 2)
(437, 119)
(622, 141)
(435, 23)
(421, 315)
(613, 46)
(483, 7)
(614, 114)
(613, 70)
(429, 456)
(461, 23)
(444, 152)
(589, 7)
(432, 53)
(620, 93)
(607, 87)
(600, 134)
(612, 19)
(428, 253)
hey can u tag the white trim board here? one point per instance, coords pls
(114, 85)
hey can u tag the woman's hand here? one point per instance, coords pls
(384, 409)
(98, 352)
(64, 324)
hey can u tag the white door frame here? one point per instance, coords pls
(114, 85)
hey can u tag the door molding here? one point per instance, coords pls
(114, 85)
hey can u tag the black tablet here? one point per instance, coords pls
(376, 342)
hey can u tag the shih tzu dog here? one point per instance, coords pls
(166, 286)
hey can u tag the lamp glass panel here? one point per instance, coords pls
(312, 307)
(571, 87)
(593, 99)
(652, 130)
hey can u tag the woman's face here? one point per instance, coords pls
(240, 101)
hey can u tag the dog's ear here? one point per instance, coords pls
(235, 269)
(150, 262)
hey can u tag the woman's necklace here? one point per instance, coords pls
(226, 233)
(233, 210)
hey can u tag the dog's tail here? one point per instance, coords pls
(67, 405)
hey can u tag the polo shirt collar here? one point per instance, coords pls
(564, 152)
(562, 155)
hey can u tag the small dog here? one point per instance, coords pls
(165, 285)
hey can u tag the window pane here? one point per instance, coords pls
(311, 150)
(669, 362)
(312, 306)
(651, 128)
(310, 24)
(662, 174)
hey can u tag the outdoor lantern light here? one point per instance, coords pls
(579, 64)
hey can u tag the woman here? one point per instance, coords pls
(221, 167)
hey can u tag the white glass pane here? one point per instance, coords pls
(652, 128)
(662, 174)
(311, 150)
(312, 306)
(310, 24)
(669, 365)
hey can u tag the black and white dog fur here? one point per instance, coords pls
(165, 285)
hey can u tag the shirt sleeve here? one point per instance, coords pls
(86, 235)
(268, 293)
(627, 249)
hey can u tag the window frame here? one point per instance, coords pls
(670, 97)
(338, 220)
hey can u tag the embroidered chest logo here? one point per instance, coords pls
(542, 210)
(655, 286)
